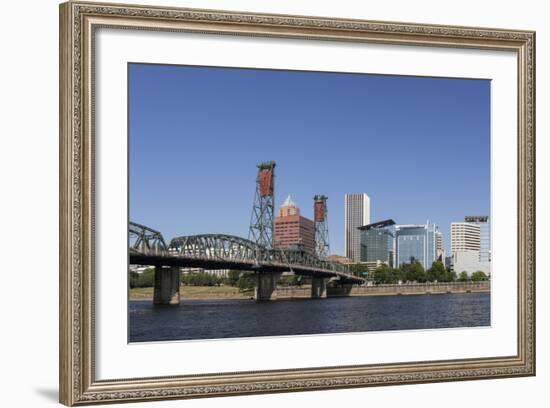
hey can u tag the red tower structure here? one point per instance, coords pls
(262, 220)
(321, 226)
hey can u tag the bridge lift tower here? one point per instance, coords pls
(321, 226)
(262, 220)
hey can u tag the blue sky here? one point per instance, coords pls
(419, 147)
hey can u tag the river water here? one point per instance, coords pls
(212, 319)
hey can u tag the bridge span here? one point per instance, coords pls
(218, 251)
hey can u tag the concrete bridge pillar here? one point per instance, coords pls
(266, 285)
(318, 288)
(167, 285)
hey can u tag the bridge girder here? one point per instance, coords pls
(220, 246)
(145, 239)
(229, 247)
(223, 249)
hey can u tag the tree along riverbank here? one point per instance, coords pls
(245, 282)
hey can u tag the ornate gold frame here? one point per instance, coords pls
(78, 21)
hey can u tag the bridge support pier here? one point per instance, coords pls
(266, 285)
(318, 288)
(167, 286)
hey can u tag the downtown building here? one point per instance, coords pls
(378, 244)
(292, 231)
(439, 247)
(471, 245)
(339, 258)
(484, 236)
(417, 242)
(357, 214)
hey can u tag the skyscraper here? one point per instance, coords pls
(416, 243)
(378, 243)
(465, 236)
(471, 245)
(292, 231)
(484, 236)
(357, 214)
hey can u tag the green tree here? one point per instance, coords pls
(394, 275)
(414, 272)
(134, 279)
(147, 278)
(406, 272)
(385, 274)
(359, 269)
(478, 276)
(463, 276)
(382, 274)
(398, 275)
(247, 281)
(437, 272)
(232, 278)
(242, 280)
(419, 273)
(142, 280)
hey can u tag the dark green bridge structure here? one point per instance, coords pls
(218, 251)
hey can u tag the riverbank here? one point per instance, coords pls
(196, 292)
(304, 292)
(411, 289)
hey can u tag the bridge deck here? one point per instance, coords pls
(245, 265)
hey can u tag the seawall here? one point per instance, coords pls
(304, 292)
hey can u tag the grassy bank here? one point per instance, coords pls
(196, 292)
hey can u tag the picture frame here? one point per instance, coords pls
(79, 22)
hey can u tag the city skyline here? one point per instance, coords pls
(419, 147)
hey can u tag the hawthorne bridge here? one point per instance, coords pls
(257, 254)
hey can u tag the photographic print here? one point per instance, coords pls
(270, 202)
(277, 192)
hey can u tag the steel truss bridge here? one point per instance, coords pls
(219, 251)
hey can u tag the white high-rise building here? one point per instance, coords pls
(357, 214)
(470, 246)
(465, 236)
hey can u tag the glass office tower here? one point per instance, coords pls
(378, 242)
(416, 243)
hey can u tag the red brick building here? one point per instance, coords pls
(292, 230)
